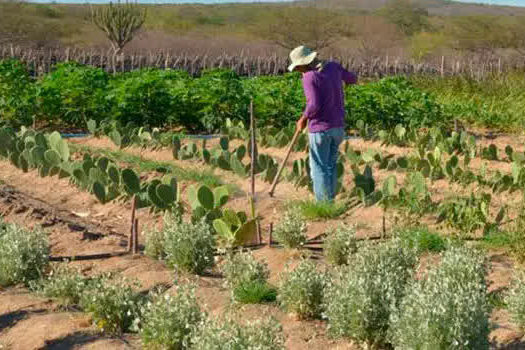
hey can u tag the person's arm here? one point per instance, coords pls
(348, 77)
(311, 92)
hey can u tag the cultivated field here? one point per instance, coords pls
(421, 250)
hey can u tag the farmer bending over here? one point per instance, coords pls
(324, 113)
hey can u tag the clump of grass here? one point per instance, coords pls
(340, 244)
(302, 290)
(169, 321)
(314, 210)
(114, 305)
(155, 238)
(189, 246)
(254, 292)
(422, 240)
(24, 254)
(291, 230)
(448, 309)
(363, 295)
(226, 333)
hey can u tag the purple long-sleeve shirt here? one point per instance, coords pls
(324, 94)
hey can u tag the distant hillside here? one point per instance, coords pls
(435, 7)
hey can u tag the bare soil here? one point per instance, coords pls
(80, 226)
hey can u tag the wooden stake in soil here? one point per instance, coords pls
(132, 230)
(253, 164)
(136, 237)
(270, 234)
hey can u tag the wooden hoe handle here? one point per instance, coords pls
(283, 164)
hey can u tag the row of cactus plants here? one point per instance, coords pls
(50, 155)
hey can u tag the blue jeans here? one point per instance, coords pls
(324, 150)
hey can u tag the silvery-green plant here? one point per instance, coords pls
(24, 254)
(302, 290)
(65, 285)
(242, 267)
(340, 244)
(515, 300)
(226, 334)
(448, 309)
(291, 230)
(155, 240)
(363, 295)
(114, 305)
(169, 320)
(189, 246)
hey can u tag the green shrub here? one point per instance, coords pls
(422, 240)
(65, 285)
(339, 244)
(169, 321)
(364, 294)
(17, 93)
(114, 305)
(448, 309)
(154, 247)
(226, 334)
(190, 246)
(24, 254)
(302, 290)
(73, 94)
(291, 230)
(392, 101)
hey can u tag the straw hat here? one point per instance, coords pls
(301, 56)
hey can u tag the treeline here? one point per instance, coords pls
(410, 28)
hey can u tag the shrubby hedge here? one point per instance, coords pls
(73, 93)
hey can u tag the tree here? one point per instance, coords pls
(407, 15)
(120, 22)
(305, 25)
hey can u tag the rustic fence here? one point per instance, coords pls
(41, 62)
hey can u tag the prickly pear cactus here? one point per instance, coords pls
(131, 181)
(176, 146)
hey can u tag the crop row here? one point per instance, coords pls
(72, 94)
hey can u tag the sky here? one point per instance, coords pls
(493, 2)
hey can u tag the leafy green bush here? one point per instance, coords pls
(364, 294)
(422, 240)
(190, 246)
(278, 100)
(291, 230)
(154, 247)
(339, 244)
(17, 94)
(302, 290)
(73, 94)
(217, 95)
(169, 321)
(148, 97)
(392, 101)
(226, 334)
(448, 309)
(24, 254)
(114, 305)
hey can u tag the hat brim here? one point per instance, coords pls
(303, 62)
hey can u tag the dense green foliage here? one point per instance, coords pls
(72, 94)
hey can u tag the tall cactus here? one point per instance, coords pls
(120, 22)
